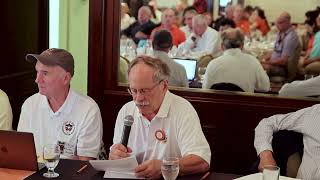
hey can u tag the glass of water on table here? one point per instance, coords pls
(51, 157)
(170, 168)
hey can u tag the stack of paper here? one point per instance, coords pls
(258, 176)
(122, 168)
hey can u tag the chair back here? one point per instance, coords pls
(203, 62)
(123, 68)
(227, 87)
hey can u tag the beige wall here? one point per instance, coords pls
(296, 8)
(170, 3)
(74, 23)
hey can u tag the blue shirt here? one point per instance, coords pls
(286, 44)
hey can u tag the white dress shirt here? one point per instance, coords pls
(238, 68)
(305, 121)
(310, 87)
(208, 43)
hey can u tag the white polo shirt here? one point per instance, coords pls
(5, 112)
(76, 126)
(174, 131)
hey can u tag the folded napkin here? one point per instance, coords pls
(258, 176)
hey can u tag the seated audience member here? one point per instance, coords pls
(228, 15)
(188, 15)
(5, 112)
(204, 40)
(235, 66)
(142, 28)
(58, 114)
(305, 121)
(162, 43)
(285, 47)
(226, 24)
(259, 22)
(209, 18)
(165, 125)
(167, 23)
(182, 5)
(314, 58)
(241, 22)
(309, 87)
(247, 11)
(126, 20)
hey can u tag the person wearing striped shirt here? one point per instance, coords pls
(305, 121)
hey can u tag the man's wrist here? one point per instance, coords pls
(266, 154)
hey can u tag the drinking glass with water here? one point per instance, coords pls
(271, 173)
(170, 168)
(51, 156)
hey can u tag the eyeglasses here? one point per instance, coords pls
(143, 92)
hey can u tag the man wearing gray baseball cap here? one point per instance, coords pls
(58, 114)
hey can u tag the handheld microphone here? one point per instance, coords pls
(193, 38)
(128, 121)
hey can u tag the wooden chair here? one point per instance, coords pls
(227, 87)
(123, 68)
(203, 62)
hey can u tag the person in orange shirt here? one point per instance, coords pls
(259, 21)
(167, 23)
(241, 22)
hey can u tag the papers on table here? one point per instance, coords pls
(258, 176)
(122, 168)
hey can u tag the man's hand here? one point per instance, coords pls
(141, 35)
(119, 151)
(266, 158)
(150, 169)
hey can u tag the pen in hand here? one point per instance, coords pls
(205, 176)
(82, 168)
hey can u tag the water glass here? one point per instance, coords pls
(51, 156)
(170, 168)
(308, 76)
(271, 173)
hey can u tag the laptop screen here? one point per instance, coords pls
(190, 65)
(17, 151)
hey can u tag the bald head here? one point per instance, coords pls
(286, 16)
(144, 14)
(232, 38)
(283, 22)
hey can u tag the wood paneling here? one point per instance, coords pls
(24, 29)
(228, 118)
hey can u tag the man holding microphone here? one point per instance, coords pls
(164, 125)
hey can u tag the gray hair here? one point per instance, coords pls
(147, 9)
(232, 38)
(161, 69)
(199, 20)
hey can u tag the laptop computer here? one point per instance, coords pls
(190, 65)
(17, 151)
